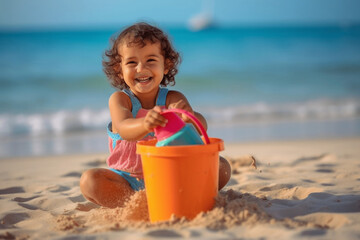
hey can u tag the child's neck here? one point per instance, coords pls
(148, 100)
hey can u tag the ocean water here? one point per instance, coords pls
(251, 83)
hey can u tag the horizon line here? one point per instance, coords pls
(112, 27)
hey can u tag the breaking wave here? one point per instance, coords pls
(67, 121)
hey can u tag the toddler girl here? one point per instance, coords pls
(140, 63)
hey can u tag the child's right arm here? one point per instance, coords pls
(128, 127)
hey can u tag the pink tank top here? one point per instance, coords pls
(122, 152)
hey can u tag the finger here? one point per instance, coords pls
(185, 118)
(178, 104)
(158, 116)
(152, 125)
(157, 119)
(157, 109)
(156, 123)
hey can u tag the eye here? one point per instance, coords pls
(130, 63)
(151, 60)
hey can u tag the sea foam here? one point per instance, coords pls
(57, 123)
(69, 121)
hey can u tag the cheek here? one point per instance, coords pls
(126, 71)
(158, 68)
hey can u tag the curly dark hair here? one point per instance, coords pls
(138, 35)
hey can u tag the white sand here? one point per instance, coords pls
(299, 190)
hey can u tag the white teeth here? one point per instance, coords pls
(143, 79)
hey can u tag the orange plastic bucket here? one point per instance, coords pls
(180, 180)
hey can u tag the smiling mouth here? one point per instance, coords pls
(143, 80)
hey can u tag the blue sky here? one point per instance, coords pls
(99, 13)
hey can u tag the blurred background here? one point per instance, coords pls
(258, 70)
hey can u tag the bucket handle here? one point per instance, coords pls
(194, 120)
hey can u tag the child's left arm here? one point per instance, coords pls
(176, 99)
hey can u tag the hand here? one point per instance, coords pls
(181, 104)
(153, 119)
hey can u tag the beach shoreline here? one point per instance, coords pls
(299, 189)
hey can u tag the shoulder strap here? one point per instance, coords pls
(136, 105)
(161, 99)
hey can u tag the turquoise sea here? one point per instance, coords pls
(251, 83)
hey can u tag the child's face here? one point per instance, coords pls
(143, 68)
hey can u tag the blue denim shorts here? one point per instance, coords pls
(135, 183)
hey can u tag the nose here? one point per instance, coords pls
(140, 67)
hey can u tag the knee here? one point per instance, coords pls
(224, 172)
(88, 179)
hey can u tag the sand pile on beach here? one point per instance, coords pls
(294, 190)
(231, 208)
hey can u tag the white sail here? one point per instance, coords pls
(204, 19)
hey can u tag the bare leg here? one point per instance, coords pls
(224, 172)
(105, 188)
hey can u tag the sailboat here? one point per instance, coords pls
(204, 19)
